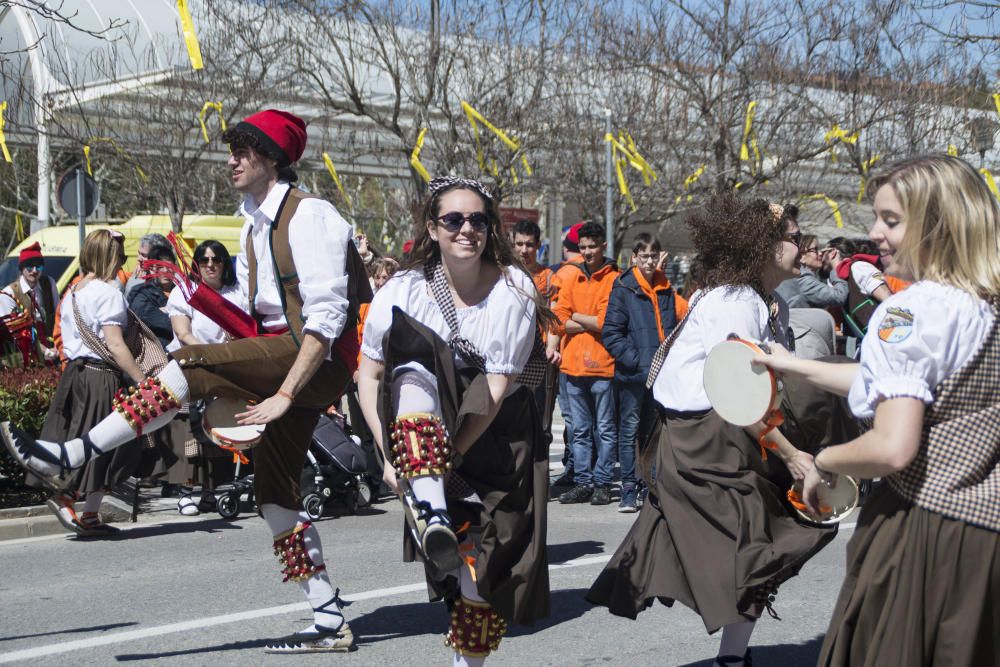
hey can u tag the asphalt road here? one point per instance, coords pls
(201, 590)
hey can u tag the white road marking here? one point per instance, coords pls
(210, 621)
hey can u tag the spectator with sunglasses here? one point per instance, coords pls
(36, 292)
(807, 290)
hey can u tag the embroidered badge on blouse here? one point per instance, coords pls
(896, 326)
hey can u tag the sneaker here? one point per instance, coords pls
(578, 494)
(565, 479)
(629, 501)
(602, 496)
(335, 641)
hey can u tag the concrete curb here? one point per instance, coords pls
(21, 522)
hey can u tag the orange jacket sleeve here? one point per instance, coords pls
(680, 307)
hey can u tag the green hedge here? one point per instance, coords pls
(25, 395)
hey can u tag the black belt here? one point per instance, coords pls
(667, 413)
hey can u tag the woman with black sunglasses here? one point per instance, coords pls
(212, 466)
(440, 385)
(717, 533)
(93, 316)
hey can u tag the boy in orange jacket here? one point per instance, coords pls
(589, 369)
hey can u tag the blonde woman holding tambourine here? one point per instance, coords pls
(923, 566)
(717, 533)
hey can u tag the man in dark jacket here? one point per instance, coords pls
(642, 310)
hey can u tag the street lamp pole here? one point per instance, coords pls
(609, 204)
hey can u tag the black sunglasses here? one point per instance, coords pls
(453, 221)
(794, 237)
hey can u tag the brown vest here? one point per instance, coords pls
(957, 470)
(358, 289)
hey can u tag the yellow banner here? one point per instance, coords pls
(3, 139)
(336, 179)
(865, 166)
(834, 207)
(836, 135)
(201, 118)
(415, 157)
(475, 120)
(749, 135)
(190, 38)
(990, 183)
(689, 181)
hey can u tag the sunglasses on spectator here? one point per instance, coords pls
(454, 221)
(205, 261)
(794, 237)
(34, 267)
(117, 236)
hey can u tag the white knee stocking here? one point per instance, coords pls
(414, 389)
(317, 588)
(736, 638)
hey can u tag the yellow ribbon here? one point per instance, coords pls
(865, 166)
(749, 135)
(201, 118)
(838, 135)
(415, 157)
(18, 226)
(190, 38)
(834, 207)
(86, 156)
(689, 181)
(630, 157)
(990, 183)
(475, 120)
(118, 150)
(336, 179)
(996, 102)
(3, 140)
(142, 174)
(953, 150)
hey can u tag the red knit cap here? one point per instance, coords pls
(572, 240)
(33, 251)
(279, 131)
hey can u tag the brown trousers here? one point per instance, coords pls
(253, 369)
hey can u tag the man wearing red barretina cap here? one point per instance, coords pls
(304, 281)
(32, 315)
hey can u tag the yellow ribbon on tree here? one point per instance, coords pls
(190, 38)
(990, 183)
(953, 150)
(865, 166)
(838, 135)
(475, 120)
(996, 102)
(834, 207)
(86, 157)
(3, 139)
(201, 118)
(750, 138)
(689, 181)
(415, 157)
(336, 179)
(630, 156)
(18, 226)
(118, 150)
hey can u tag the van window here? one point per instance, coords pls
(54, 268)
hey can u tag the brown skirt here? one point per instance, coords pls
(716, 533)
(507, 467)
(83, 398)
(920, 589)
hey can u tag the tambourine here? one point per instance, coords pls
(741, 392)
(834, 504)
(219, 422)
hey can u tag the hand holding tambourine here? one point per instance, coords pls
(743, 392)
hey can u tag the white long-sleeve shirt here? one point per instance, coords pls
(318, 236)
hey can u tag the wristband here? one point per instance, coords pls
(285, 394)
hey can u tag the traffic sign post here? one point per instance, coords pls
(79, 195)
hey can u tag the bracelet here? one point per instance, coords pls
(285, 394)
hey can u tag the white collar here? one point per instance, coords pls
(24, 284)
(269, 207)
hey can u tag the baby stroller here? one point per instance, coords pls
(229, 498)
(336, 469)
